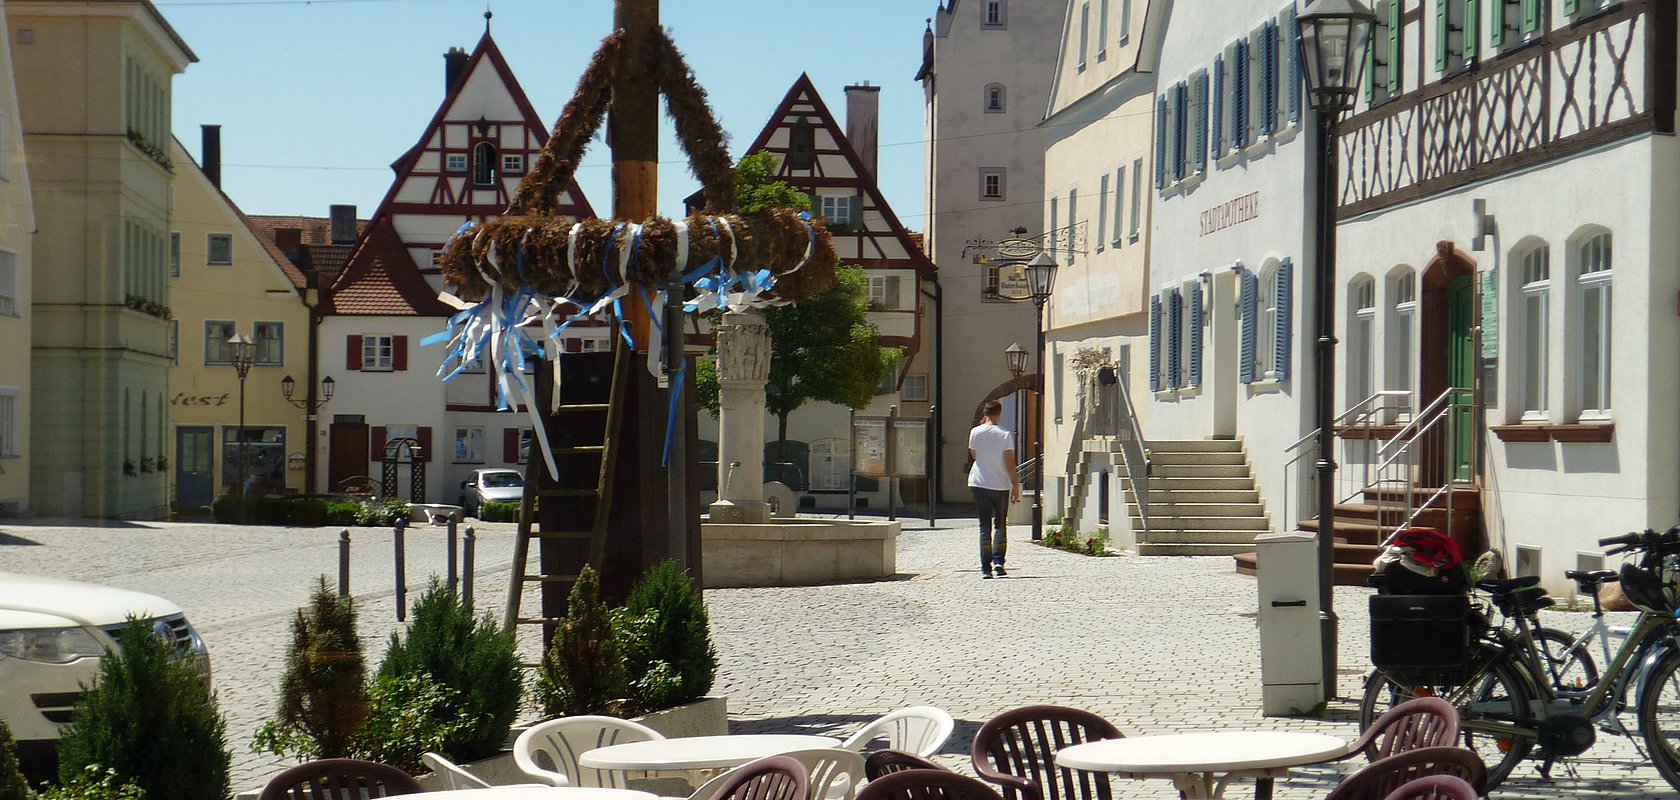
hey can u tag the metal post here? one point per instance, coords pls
(1038, 440)
(468, 546)
(851, 465)
(401, 569)
(1324, 289)
(243, 505)
(929, 468)
(450, 567)
(344, 563)
(892, 463)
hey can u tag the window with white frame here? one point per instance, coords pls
(1125, 20)
(1362, 335)
(1534, 298)
(1593, 279)
(1102, 212)
(456, 162)
(484, 164)
(994, 13)
(1119, 204)
(1455, 35)
(513, 164)
(1266, 324)
(219, 249)
(216, 347)
(994, 98)
(1402, 330)
(1102, 30)
(836, 211)
(915, 388)
(828, 465)
(9, 284)
(271, 343)
(991, 183)
(469, 445)
(377, 352)
(1084, 33)
(9, 438)
(883, 292)
(1137, 199)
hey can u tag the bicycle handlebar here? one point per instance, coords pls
(1626, 538)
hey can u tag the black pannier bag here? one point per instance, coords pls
(1421, 639)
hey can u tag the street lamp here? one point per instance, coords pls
(310, 404)
(244, 352)
(1041, 281)
(1335, 35)
(1016, 357)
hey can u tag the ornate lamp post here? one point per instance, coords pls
(1016, 357)
(1041, 281)
(1334, 37)
(244, 353)
(310, 404)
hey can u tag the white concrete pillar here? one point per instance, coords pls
(743, 346)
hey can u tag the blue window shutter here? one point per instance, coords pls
(1201, 144)
(1248, 306)
(1196, 335)
(1268, 77)
(1154, 344)
(1285, 325)
(1239, 106)
(1291, 43)
(1160, 141)
(1175, 340)
(1218, 105)
(1180, 123)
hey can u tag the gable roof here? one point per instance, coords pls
(381, 280)
(1144, 60)
(294, 276)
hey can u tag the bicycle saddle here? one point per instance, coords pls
(1508, 586)
(1589, 579)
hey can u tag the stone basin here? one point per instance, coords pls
(797, 551)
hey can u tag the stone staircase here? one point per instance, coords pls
(1358, 539)
(1202, 500)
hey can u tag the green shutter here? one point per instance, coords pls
(1496, 25)
(1472, 28)
(1442, 33)
(1396, 23)
(857, 212)
(1531, 16)
(1571, 6)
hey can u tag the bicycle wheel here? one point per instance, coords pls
(1659, 716)
(1490, 708)
(1569, 668)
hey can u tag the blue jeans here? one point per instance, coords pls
(993, 507)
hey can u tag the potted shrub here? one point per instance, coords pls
(473, 658)
(323, 692)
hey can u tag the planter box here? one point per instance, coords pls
(797, 552)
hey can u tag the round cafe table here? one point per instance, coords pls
(1201, 765)
(698, 752)
(544, 793)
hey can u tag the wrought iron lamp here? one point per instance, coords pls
(1335, 35)
(1041, 282)
(244, 354)
(308, 404)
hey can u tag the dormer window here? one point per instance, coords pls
(485, 168)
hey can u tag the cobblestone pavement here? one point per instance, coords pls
(1155, 644)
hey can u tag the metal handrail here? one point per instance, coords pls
(1135, 452)
(1342, 417)
(1439, 414)
(1365, 410)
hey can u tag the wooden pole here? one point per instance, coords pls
(633, 133)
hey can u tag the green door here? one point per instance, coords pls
(1461, 365)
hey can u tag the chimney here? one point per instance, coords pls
(863, 122)
(454, 65)
(212, 154)
(343, 219)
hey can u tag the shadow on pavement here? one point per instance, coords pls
(8, 539)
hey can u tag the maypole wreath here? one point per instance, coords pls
(521, 279)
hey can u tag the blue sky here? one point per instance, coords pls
(316, 99)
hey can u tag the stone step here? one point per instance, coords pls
(1201, 537)
(1179, 510)
(1252, 524)
(1177, 496)
(1198, 457)
(1158, 471)
(1462, 498)
(1195, 446)
(1352, 531)
(1145, 549)
(1345, 574)
(1159, 485)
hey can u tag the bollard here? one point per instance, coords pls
(402, 572)
(449, 560)
(344, 563)
(467, 546)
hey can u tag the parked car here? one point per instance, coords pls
(53, 633)
(490, 486)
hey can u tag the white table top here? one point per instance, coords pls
(1221, 751)
(698, 752)
(544, 793)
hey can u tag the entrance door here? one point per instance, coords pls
(1223, 385)
(1461, 365)
(195, 474)
(349, 453)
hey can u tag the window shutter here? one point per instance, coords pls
(376, 443)
(1268, 76)
(857, 212)
(1284, 289)
(1201, 142)
(1496, 24)
(1442, 19)
(1239, 104)
(1291, 43)
(1175, 340)
(1218, 125)
(1247, 301)
(893, 284)
(399, 353)
(1154, 344)
(1160, 142)
(425, 439)
(1571, 6)
(1396, 54)
(1196, 335)
(1531, 16)
(353, 352)
(510, 445)
(1180, 123)
(1472, 27)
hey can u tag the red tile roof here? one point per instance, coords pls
(317, 231)
(381, 280)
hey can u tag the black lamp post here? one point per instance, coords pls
(310, 405)
(1016, 357)
(244, 353)
(1041, 281)
(1334, 37)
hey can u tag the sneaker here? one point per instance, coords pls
(1000, 570)
(986, 575)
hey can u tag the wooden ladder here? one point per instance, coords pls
(602, 492)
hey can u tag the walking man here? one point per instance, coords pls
(992, 478)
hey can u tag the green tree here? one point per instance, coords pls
(823, 348)
(323, 696)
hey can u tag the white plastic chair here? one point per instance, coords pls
(561, 741)
(709, 788)
(453, 776)
(835, 773)
(920, 730)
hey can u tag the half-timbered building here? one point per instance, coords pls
(464, 167)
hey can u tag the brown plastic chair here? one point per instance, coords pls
(1434, 787)
(1017, 751)
(1379, 779)
(772, 778)
(1419, 722)
(885, 762)
(926, 784)
(339, 779)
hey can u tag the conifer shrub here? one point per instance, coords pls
(583, 671)
(152, 720)
(673, 631)
(323, 695)
(409, 715)
(12, 784)
(474, 659)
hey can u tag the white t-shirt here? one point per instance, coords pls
(989, 443)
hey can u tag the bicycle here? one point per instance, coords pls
(1510, 699)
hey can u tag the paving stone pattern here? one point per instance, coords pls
(1155, 644)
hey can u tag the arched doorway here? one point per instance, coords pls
(1020, 398)
(1447, 357)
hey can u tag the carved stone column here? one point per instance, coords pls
(743, 346)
